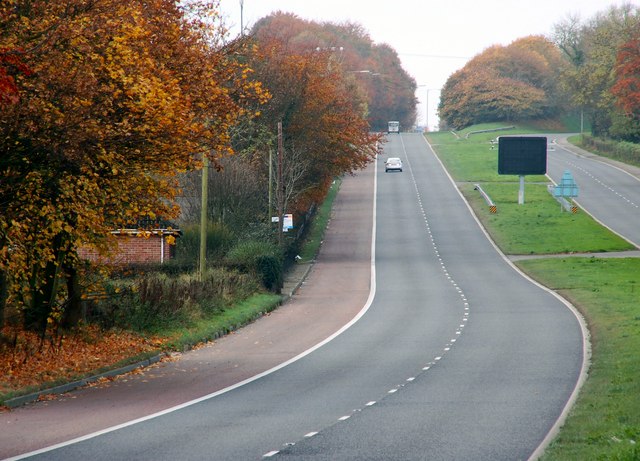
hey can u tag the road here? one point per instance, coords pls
(455, 355)
(608, 190)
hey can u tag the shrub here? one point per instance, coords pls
(262, 259)
(270, 270)
(219, 240)
(627, 152)
(153, 301)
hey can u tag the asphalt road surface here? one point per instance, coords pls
(454, 356)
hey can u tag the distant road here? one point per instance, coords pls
(457, 356)
(608, 190)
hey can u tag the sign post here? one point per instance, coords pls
(522, 155)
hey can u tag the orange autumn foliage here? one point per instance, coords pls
(627, 86)
(121, 97)
(504, 83)
(26, 361)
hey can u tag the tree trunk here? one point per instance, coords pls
(4, 289)
(3, 296)
(37, 313)
(73, 311)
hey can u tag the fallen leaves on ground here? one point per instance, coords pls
(26, 361)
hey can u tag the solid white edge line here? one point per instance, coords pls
(586, 345)
(359, 315)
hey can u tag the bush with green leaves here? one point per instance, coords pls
(153, 300)
(219, 240)
(623, 151)
(262, 259)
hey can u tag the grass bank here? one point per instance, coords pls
(314, 238)
(604, 424)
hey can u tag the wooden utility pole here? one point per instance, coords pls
(270, 184)
(280, 184)
(203, 216)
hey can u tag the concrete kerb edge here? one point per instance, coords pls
(68, 387)
(64, 388)
(298, 280)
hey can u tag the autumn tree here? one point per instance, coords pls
(388, 90)
(627, 90)
(504, 84)
(323, 102)
(121, 96)
(321, 107)
(593, 49)
(627, 87)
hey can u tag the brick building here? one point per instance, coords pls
(138, 246)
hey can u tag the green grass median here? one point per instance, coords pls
(604, 424)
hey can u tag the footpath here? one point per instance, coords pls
(323, 297)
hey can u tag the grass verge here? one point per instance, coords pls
(231, 319)
(312, 243)
(539, 226)
(604, 424)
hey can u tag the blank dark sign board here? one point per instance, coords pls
(522, 155)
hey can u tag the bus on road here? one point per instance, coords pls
(394, 127)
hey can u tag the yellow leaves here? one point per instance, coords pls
(121, 122)
(87, 350)
(144, 234)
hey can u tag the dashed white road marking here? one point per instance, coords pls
(448, 276)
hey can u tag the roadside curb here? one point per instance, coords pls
(293, 281)
(64, 388)
(296, 277)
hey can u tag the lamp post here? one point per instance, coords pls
(427, 103)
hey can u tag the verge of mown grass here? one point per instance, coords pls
(221, 323)
(475, 158)
(540, 225)
(604, 424)
(312, 243)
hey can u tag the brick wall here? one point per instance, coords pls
(131, 248)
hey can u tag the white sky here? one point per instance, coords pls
(433, 38)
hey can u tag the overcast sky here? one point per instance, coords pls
(433, 38)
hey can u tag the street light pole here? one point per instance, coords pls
(427, 116)
(427, 104)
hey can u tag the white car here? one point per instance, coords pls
(392, 164)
